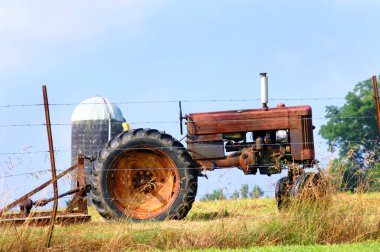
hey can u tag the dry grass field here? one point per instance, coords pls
(343, 222)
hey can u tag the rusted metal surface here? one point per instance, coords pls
(82, 201)
(52, 162)
(80, 198)
(49, 217)
(204, 138)
(43, 219)
(143, 184)
(28, 204)
(376, 92)
(36, 190)
(241, 159)
(69, 216)
(244, 120)
(207, 130)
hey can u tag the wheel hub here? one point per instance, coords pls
(144, 181)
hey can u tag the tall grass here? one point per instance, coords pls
(330, 217)
(222, 224)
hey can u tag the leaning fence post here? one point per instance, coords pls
(53, 171)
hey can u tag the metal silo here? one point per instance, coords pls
(94, 122)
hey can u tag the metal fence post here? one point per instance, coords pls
(52, 162)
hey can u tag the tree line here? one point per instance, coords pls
(243, 193)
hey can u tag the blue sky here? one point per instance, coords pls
(172, 50)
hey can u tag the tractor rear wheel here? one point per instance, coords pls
(144, 174)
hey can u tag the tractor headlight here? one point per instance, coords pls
(282, 136)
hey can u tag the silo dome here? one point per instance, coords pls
(97, 108)
(93, 123)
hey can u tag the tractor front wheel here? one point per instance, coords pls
(309, 186)
(282, 193)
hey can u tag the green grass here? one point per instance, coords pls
(369, 246)
(344, 223)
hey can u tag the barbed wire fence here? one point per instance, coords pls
(174, 101)
(36, 173)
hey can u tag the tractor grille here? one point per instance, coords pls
(307, 132)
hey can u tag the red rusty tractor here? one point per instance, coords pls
(146, 174)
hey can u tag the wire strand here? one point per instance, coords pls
(284, 165)
(174, 101)
(190, 121)
(200, 146)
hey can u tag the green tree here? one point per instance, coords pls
(354, 124)
(256, 192)
(235, 195)
(352, 130)
(215, 195)
(244, 191)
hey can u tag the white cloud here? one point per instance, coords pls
(46, 19)
(29, 22)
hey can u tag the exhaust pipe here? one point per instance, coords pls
(264, 90)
